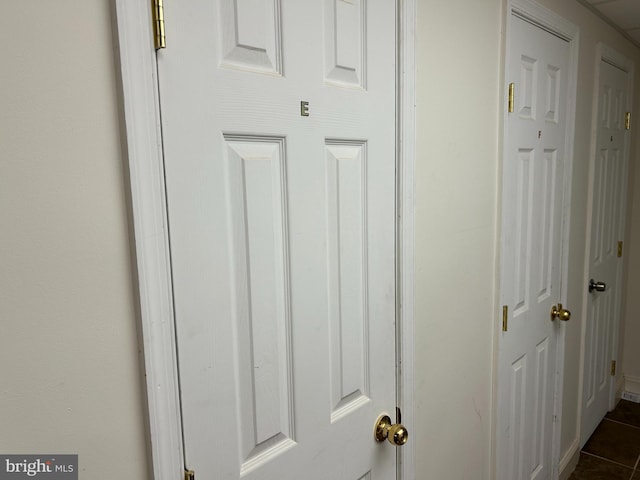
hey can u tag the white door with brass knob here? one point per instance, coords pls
(278, 118)
(535, 192)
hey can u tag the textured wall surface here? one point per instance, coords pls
(458, 116)
(69, 362)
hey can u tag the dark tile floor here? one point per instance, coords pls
(613, 451)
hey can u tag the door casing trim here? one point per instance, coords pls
(142, 150)
(553, 23)
(406, 155)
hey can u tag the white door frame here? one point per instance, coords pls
(553, 23)
(142, 147)
(604, 53)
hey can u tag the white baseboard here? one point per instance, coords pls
(632, 384)
(570, 460)
(632, 397)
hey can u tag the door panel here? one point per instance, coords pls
(533, 199)
(347, 203)
(282, 229)
(603, 308)
(251, 35)
(345, 43)
(262, 308)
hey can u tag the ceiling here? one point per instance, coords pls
(623, 14)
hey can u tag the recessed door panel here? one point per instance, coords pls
(548, 225)
(251, 36)
(345, 45)
(553, 103)
(258, 211)
(528, 87)
(539, 440)
(347, 211)
(524, 218)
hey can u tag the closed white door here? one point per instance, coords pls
(531, 273)
(278, 120)
(607, 228)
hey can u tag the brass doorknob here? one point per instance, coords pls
(561, 313)
(396, 433)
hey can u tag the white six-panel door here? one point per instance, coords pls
(607, 225)
(533, 169)
(278, 122)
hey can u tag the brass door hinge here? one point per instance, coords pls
(505, 318)
(620, 249)
(189, 475)
(159, 38)
(613, 368)
(512, 88)
(627, 120)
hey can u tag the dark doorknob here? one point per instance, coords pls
(597, 286)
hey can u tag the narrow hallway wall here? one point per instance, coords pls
(70, 380)
(458, 108)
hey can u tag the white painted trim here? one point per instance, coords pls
(548, 20)
(615, 58)
(406, 276)
(632, 384)
(138, 71)
(573, 37)
(619, 388)
(143, 146)
(544, 18)
(570, 460)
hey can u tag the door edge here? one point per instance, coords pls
(142, 152)
(405, 284)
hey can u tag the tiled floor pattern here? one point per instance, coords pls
(613, 451)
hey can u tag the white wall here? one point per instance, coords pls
(69, 369)
(631, 337)
(458, 101)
